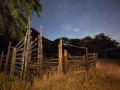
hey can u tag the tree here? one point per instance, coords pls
(101, 42)
(88, 42)
(14, 14)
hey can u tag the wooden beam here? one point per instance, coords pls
(23, 59)
(7, 58)
(27, 49)
(40, 49)
(65, 61)
(13, 63)
(60, 59)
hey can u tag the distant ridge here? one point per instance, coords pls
(4, 41)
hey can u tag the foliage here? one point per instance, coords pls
(96, 44)
(14, 14)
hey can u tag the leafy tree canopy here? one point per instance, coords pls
(96, 44)
(14, 14)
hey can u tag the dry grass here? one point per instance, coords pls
(105, 77)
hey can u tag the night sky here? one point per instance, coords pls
(79, 18)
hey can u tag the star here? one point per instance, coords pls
(59, 5)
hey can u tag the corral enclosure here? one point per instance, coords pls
(26, 60)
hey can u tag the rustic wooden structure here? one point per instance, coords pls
(60, 59)
(26, 58)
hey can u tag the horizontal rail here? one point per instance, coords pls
(91, 57)
(20, 46)
(22, 49)
(50, 62)
(91, 54)
(18, 58)
(34, 49)
(53, 59)
(18, 68)
(20, 63)
(75, 56)
(19, 54)
(32, 46)
(34, 40)
(74, 46)
(34, 65)
(20, 42)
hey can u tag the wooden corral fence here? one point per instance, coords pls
(92, 59)
(26, 58)
(80, 62)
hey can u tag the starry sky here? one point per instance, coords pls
(78, 18)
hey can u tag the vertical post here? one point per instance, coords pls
(94, 54)
(23, 60)
(65, 61)
(13, 63)
(27, 51)
(7, 57)
(86, 55)
(95, 59)
(87, 65)
(60, 61)
(1, 59)
(40, 49)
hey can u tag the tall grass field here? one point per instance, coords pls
(106, 76)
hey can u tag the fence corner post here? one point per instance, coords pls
(60, 58)
(65, 61)
(40, 49)
(13, 63)
(7, 57)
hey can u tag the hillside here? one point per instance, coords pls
(4, 41)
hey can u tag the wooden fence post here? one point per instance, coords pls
(40, 49)
(1, 59)
(95, 59)
(7, 57)
(23, 60)
(60, 59)
(65, 61)
(13, 63)
(86, 55)
(27, 49)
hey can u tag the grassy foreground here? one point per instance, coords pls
(105, 77)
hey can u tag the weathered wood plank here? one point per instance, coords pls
(19, 42)
(13, 63)
(60, 59)
(65, 61)
(7, 57)
(27, 52)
